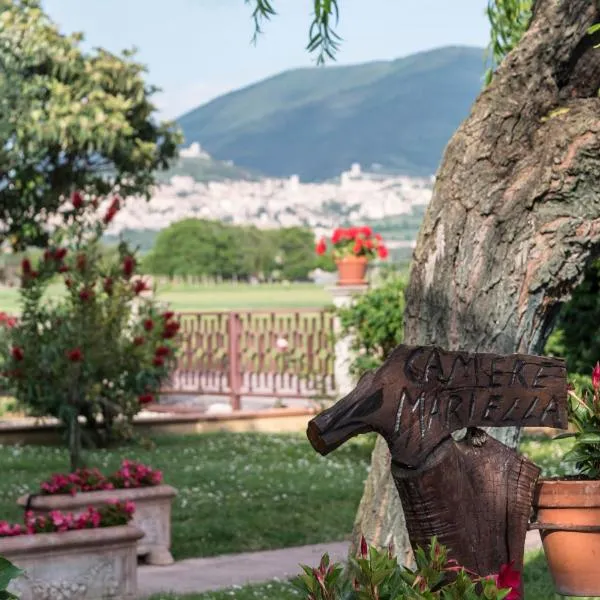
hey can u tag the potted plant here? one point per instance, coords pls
(376, 575)
(352, 249)
(91, 555)
(567, 510)
(133, 482)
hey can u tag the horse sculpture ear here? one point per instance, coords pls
(346, 418)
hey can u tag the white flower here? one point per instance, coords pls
(282, 343)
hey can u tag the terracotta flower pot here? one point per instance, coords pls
(568, 517)
(352, 270)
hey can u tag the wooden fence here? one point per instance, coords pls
(287, 353)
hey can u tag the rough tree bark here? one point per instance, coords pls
(513, 221)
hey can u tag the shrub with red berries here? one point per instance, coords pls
(103, 349)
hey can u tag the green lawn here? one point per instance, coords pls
(237, 492)
(226, 296)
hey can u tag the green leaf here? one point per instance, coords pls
(8, 572)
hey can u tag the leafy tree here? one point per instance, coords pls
(295, 249)
(69, 120)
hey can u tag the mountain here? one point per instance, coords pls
(316, 122)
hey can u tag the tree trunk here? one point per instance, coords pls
(513, 221)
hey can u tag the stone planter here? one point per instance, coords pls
(90, 564)
(152, 514)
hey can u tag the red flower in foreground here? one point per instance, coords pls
(170, 330)
(17, 353)
(128, 266)
(77, 200)
(509, 578)
(364, 550)
(596, 376)
(75, 355)
(321, 247)
(168, 315)
(148, 324)
(7, 321)
(113, 209)
(158, 361)
(60, 253)
(146, 399)
(162, 351)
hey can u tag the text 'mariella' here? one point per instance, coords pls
(420, 395)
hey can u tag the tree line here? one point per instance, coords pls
(204, 248)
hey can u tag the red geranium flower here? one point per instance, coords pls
(321, 247)
(596, 376)
(509, 578)
(75, 355)
(145, 398)
(158, 361)
(162, 351)
(128, 266)
(113, 209)
(358, 246)
(382, 251)
(148, 324)
(17, 353)
(77, 200)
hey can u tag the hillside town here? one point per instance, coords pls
(269, 202)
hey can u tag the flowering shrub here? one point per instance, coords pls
(130, 475)
(100, 352)
(584, 415)
(112, 514)
(376, 575)
(354, 241)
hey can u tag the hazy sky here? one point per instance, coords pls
(198, 49)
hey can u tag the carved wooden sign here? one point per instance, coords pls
(422, 394)
(475, 494)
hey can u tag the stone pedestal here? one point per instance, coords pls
(342, 297)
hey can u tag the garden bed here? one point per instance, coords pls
(94, 564)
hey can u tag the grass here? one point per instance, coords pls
(237, 492)
(225, 296)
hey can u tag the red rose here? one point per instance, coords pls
(168, 315)
(81, 262)
(26, 266)
(85, 294)
(148, 324)
(158, 361)
(162, 351)
(77, 200)
(145, 398)
(113, 209)
(108, 285)
(138, 341)
(382, 251)
(63, 269)
(596, 376)
(170, 330)
(321, 247)
(128, 266)
(17, 353)
(60, 253)
(139, 286)
(75, 355)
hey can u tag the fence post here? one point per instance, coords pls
(235, 374)
(342, 297)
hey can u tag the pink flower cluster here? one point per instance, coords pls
(7, 320)
(113, 514)
(130, 475)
